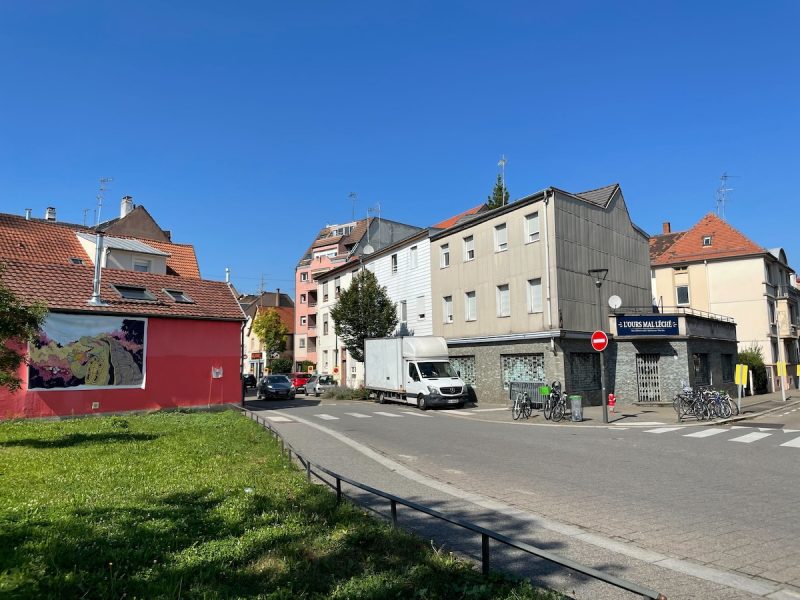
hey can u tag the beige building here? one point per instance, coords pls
(714, 268)
(512, 294)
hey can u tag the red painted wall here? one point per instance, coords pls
(179, 357)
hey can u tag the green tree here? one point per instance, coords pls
(753, 357)
(282, 365)
(499, 196)
(18, 324)
(363, 311)
(271, 332)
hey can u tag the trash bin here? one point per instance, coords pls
(576, 408)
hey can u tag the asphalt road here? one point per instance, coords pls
(694, 512)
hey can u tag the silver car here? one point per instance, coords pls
(319, 383)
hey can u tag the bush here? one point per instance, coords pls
(345, 393)
(282, 365)
(754, 359)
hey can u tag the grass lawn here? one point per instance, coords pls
(176, 505)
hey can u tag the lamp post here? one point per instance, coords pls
(599, 275)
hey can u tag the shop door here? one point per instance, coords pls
(647, 377)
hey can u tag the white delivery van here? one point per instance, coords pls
(415, 370)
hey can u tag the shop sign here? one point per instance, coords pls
(647, 325)
(255, 356)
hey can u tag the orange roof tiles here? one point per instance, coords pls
(726, 242)
(286, 314)
(449, 222)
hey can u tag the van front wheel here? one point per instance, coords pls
(381, 398)
(422, 404)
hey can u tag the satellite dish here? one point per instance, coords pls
(368, 249)
(615, 302)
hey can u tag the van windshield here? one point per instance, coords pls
(434, 370)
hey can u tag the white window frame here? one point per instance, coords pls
(470, 298)
(337, 286)
(146, 263)
(531, 235)
(534, 296)
(402, 308)
(444, 256)
(503, 296)
(706, 240)
(301, 342)
(303, 298)
(324, 291)
(677, 296)
(304, 276)
(500, 232)
(303, 320)
(469, 247)
(447, 309)
(394, 265)
(420, 307)
(412, 257)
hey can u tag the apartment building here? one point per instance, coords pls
(713, 267)
(333, 246)
(254, 358)
(512, 294)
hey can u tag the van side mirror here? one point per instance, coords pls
(459, 374)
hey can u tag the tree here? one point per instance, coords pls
(753, 357)
(363, 311)
(499, 196)
(271, 332)
(282, 365)
(18, 324)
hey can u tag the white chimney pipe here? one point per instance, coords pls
(227, 275)
(95, 300)
(125, 206)
(50, 214)
(28, 214)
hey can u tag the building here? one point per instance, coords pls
(714, 268)
(512, 295)
(333, 246)
(137, 329)
(254, 358)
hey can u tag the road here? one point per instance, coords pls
(694, 512)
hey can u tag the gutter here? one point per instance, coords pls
(547, 195)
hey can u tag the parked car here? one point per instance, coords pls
(319, 383)
(275, 386)
(249, 380)
(299, 381)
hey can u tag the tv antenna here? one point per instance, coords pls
(722, 193)
(353, 198)
(104, 181)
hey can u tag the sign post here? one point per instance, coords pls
(600, 343)
(740, 379)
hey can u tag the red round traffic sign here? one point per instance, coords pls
(599, 341)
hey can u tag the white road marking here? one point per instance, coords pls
(279, 420)
(795, 443)
(766, 429)
(456, 412)
(359, 415)
(487, 409)
(740, 427)
(663, 429)
(749, 438)
(705, 433)
(642, 423)
(385, 414)
(327, 417)
(416, 414)
(791, 430)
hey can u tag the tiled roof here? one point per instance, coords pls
(64, 287)
(50, 242)
(600, 196)
(661, 243)
(286, 314)
(449, 222)
(726, 242)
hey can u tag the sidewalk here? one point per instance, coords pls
(632, 415)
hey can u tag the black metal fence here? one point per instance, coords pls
(486, 534)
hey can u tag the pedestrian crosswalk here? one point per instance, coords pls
(742, 435)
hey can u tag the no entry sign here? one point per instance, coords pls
(599, 341)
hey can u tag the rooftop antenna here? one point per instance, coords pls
(353, 197)
(104, 181)
(722, 193)
(85, 212)
(502, 164)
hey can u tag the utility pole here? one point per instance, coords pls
(599, 276)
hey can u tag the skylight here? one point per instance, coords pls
(179, 296)
(134, 293)
(77, 261)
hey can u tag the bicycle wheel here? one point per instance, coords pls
(558, 411)
(516, 409)
(527, 407)
(734, 406)
(548, 407)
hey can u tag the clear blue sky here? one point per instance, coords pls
(243, 126)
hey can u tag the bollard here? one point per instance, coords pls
(308, 471)
(338, 490)
(485, 553)
(394, 513)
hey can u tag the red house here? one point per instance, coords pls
(142, 331)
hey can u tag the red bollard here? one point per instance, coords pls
(612, 402)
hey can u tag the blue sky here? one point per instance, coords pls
(243, 126)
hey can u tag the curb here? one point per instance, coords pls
(740, 417)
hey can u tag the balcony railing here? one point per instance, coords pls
(787, 291)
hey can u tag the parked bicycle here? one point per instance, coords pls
(704, 403)
(522, 407)
(555, 404)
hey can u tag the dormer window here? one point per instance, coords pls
(134, 293)
(142, 265)
(179, 296)
(76, 261)
(706, 240)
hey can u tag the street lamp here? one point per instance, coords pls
(599, 276)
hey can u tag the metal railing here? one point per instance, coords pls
(529, 387)
(673, 310)
(486, 534)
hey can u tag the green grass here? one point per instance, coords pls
(203, 505)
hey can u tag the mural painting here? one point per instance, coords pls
(88, 351)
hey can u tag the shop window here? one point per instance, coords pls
(584, 371)
(466, 366)
(522, 367)
(727, 367)
(702, 374)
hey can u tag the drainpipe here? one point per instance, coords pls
(547, 271)
(95, 300)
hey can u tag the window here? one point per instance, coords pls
(141, 265)
(304, 276)
(532, 228)
(682, 293)
(325, 359)
(420, 307)
(302, 298)
(179, 296)
(303, 320)
(706, 240)
(325, 324)
(465, 367)
(470, 306)
(727, 367)
(469, 248)
(134, 293)
(534, 295)
(324, 291)
(402, 310)
(447, 309)
(701, 372)
(500, 238)
(412, 257)
(444, 256)
(337, 287)
(584, 371)
(680, 269)
(412, 372)
(503, 301)
(522, 367)
(77, 261)
(302, 342)
(394, 263)
(771, 309)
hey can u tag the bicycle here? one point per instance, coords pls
(555, 404)
(522, 407)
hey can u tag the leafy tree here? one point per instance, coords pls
(303, 366)
(271, 332)
(282, 365)
(499, 196)
(18, 324)
(363, 311)
(753, 357)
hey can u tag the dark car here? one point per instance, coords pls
(275, 386)
(299, 381)
(249, 380)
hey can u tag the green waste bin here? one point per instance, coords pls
(576, 407)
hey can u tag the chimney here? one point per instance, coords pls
(278, 297)
(50, 214)
(95, 300)
(666, 227)
(125, 206)
(28, 214)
